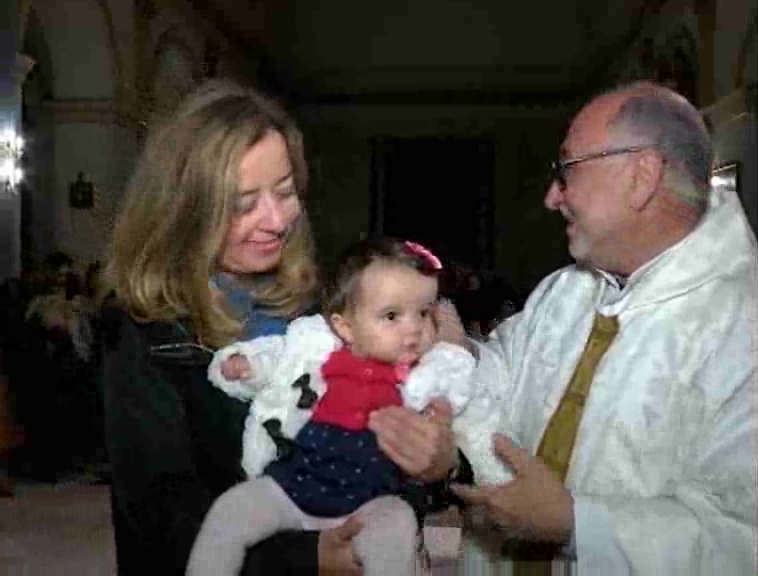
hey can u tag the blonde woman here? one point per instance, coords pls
(213, 245)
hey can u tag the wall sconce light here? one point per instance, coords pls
(11, 150)
(726, 176)
(81, 193)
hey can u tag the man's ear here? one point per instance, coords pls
(648, 178)
(342, 327)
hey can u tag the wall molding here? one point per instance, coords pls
(89, 111)
(24, 7)
(728, 109)
(113, 48)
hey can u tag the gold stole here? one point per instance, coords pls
(560, 435)
(558, 441)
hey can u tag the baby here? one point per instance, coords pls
(306, 446)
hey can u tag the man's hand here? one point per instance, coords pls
(533, 506)
(236, 367)
(336, 556)
(422, 445)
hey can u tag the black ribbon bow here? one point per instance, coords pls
(284, 446)
(308, 397)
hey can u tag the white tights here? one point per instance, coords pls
(256, 509)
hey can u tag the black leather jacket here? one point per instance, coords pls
(174, 442)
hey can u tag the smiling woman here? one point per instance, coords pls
(218, 189)
(212, 244)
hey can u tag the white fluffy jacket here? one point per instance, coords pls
(277, 361)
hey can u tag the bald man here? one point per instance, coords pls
(624, 389)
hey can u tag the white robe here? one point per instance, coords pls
(662, 472)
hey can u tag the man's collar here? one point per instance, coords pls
(615, 280)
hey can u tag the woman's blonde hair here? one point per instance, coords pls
(177, 212)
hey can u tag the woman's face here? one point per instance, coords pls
(266, 208)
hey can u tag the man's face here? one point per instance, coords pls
(593, 200)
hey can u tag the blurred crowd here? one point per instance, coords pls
(483, 298)
(47, 337)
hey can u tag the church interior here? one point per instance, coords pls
(436, 119)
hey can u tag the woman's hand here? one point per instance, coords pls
(422, 445)
(336, 556)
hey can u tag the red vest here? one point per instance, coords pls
(355, 387)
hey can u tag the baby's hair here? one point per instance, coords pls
(341, 288)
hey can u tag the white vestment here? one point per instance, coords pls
(662, 472)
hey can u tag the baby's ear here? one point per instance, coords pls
(342, 327)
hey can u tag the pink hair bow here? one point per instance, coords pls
(425, 253)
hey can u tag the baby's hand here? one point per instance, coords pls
(236, 367)
(450, 327)
(449, 324)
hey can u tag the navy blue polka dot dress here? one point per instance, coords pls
(336, 465)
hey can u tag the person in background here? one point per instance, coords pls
(461, 285)
(8, 432)
(497, 300)
(92, 279)
(213, 245)
(627, 382)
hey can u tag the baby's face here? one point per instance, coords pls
(392, 319)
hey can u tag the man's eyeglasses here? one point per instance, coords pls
(560, 167)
